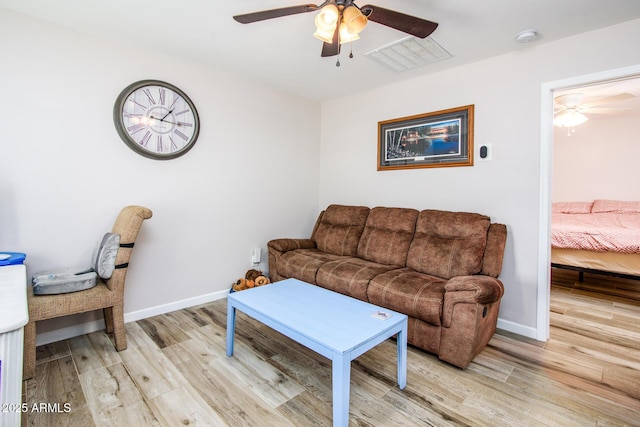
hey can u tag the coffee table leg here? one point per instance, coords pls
(401, 343)
(341, 367)
(231, 326)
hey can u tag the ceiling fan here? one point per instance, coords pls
(340, 21)
(570, 109)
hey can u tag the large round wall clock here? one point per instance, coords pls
(156, 119)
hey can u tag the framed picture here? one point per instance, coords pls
(439, 139)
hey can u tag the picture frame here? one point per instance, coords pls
(438, 139)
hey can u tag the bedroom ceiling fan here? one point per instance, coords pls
(340, 21)
(570, 110)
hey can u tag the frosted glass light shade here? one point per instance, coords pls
(354, 19)
(326, 23)
(325, 36)
(328, 17)
(569, 118)
(345, 35)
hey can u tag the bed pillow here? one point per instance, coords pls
(572, 207)
(617, 206)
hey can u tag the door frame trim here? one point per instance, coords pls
(546, 162)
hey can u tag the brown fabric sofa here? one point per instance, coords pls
(440, 268)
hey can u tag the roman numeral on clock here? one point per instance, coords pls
(145, 139)
(181, 135)
(136, 128)
(144, 107)
(174, 147)
(161, 91)
(148, 93)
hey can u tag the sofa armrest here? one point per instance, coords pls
(286, 244)
(277, 247)
(477, 289)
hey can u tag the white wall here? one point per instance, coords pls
(506, 92)
(251, 177)
(65, 173)
(599, 160)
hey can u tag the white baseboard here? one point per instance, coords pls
(97, 325)
(517, 328)
(173, 306)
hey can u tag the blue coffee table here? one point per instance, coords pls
(336, 326)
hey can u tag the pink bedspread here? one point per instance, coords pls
(602, 232)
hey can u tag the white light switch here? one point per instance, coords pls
(255, 256)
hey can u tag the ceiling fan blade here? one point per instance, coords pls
(603, 110)
(608, 100)
(331, 49)
(406, 23)
(248, 18)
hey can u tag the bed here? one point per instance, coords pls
(600, 237)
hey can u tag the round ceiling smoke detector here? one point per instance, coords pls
(526, 36)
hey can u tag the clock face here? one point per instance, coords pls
(156, 119)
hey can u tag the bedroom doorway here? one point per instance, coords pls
(549, 92)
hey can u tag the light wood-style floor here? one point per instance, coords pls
(175, 373)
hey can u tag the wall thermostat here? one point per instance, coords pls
(485, 151)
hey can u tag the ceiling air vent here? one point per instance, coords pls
(408, 53)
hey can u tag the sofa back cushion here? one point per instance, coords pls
(494, 252)
(387, 235)
(448, 244)
(339, 229)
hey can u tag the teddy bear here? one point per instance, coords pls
(251, 279)
(252, 274)
(240, 284)
(262, 280)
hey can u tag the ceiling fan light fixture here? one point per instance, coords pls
(331, 13)
(569, 118)
(354, 19)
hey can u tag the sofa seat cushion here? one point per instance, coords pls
(448, 244)
(339, 229)
(303, 264)
(349, 276)
(387, 235)
(410, 292)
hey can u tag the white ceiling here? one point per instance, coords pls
(282, 53)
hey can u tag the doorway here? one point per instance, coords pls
(546, 162)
